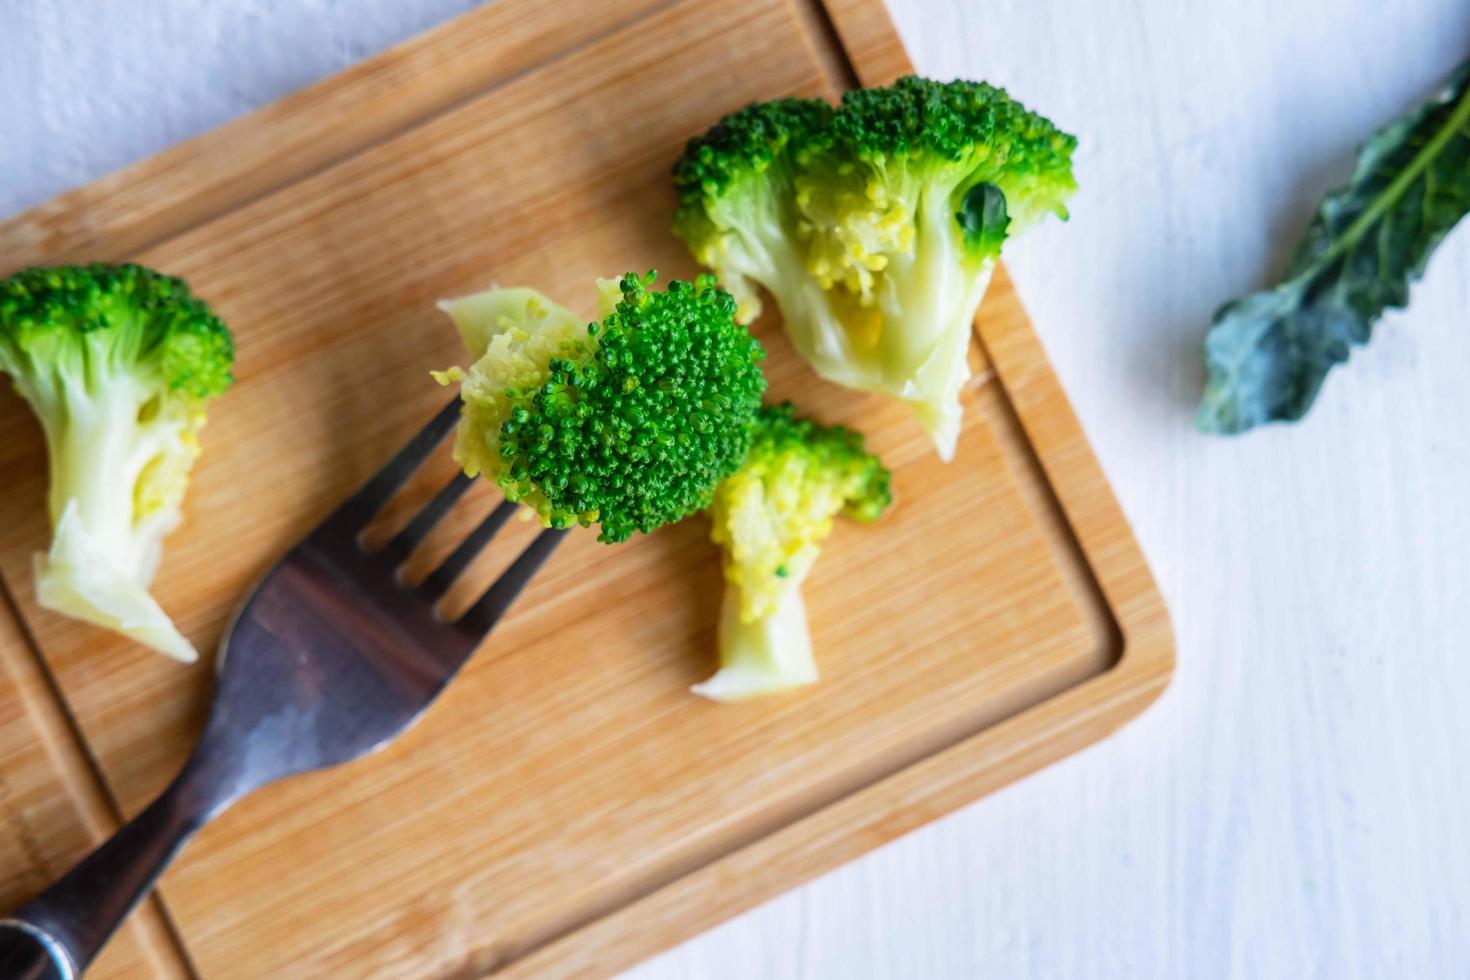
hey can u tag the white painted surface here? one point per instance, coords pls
(1296, 804)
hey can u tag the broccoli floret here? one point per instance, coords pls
(885, 229)
(628, 422)
(118, 363)
(770, 518)
(737, 201)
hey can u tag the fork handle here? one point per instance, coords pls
(56, 935)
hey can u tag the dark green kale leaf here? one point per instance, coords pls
(1268, 353)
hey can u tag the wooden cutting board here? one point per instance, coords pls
(567, 808)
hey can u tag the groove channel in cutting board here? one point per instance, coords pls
(52, 808)
(999, 618)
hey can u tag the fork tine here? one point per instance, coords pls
(367, 501)
(488, 609)
(403, 543)
(443, 577)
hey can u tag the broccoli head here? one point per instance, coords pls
(890, 217)
(628, 422)
(118, 363)
(770, 519)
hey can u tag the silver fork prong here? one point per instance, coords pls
(487, 610)
(364, 505)
(443, 577)
(401, 546)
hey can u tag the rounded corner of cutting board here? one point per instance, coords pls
(1148, 658)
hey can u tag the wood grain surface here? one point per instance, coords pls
(53, 807)
(568, 808)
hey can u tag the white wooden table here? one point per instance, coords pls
(1296, 805)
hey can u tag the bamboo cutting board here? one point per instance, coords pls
(567, 808)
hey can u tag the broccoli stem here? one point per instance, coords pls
(95, 461)
(933, 291)
(770, 653)
(101, 558)
(811, 320)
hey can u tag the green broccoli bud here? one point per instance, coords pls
(770, 519)
(118, 363)
(884, 228)
(628, 422)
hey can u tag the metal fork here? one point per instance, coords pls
(330, 658)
